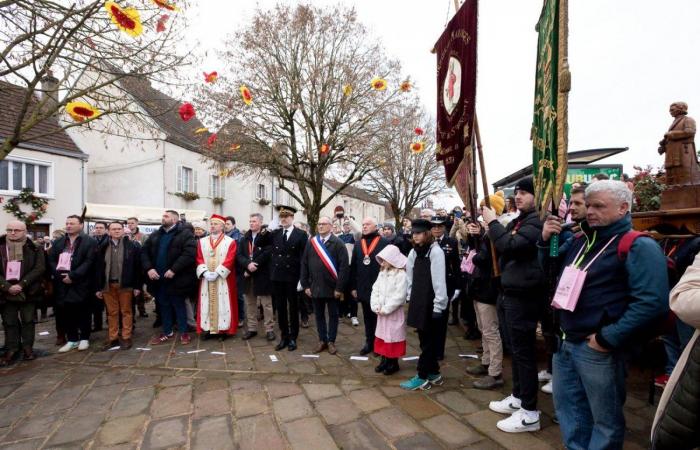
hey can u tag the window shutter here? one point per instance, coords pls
(179, 179)
(211, 185)
(194, 187)
(222, 180)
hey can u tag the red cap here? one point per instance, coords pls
(216, 217)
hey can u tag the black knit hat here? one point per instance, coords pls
(525, 185)
(420, 225)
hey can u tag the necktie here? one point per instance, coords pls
(286, 235)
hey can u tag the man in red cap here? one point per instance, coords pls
(216, 258)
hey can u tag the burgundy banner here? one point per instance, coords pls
(456, 84)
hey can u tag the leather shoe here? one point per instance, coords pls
(29, 354)
(331, 348)
(391, 368)
(292, 345)
(8, 359)
(320, 347)
(283, 343)
(271, 336)
(249, 335)
(126, 344)
(109, 344)
(365, 350)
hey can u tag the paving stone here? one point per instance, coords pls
(451, 431)
(308, 434)
(337, 410)
(457, 402)
(62, 398)
(172, 401)
(485, 422)
(483, 397)
(133, 402)
(250, 404)
(420, 441)
(357, 435)
(393, 423)
(97, 400)
(369, 400)
(213, 433)
(291, 408)
(484, 444)
(212, 403)
(113, 377)
(7, 389)
(123, 429)
(394, 391)
(166, 433)
(259, 432)
(246, 386)
(143, 381)
(76, 429)
(11, 412)
(210, 384)
(32, 427)
(278, 390)
(175, 381)
(24, 445)
(419, 406)
(321, 391)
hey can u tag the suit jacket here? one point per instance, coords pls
(450, 248)
(286, 255)
(132, 275)
(262, 252)
(81, 270)
(31, 272)
(363, 277)
(316, 276)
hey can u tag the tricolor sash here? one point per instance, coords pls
(325, 257)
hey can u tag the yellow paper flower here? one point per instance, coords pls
(418, 147)
(378, 84)
(347, 90)
(246, 95)
(405, 86)
(80, 111)
(126, 19)
(234, 147)
(200, 130)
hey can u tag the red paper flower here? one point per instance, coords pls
(418, 147)
(210, 77)
(405, 86)
(160, 25)
(186, 111)
(165, 5)
(418, 131)
(211, 140)
(246, 95)
(325, 148)
(126, 19)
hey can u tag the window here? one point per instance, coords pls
(16, 174)
(217, 186)
(261, 192)
(186, 179)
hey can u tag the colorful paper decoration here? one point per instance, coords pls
(325, 148)
(378, 84)
(160, 25)
(418, 131)
(246, 95)
(186, 111)
(210, 77)
(165, 5)
(418, 147)
(80, 111)
(126, 19)
(212, 140)
(347, 90)
(405, 86)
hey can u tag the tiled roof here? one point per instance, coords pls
(354, 192)
(12, 99)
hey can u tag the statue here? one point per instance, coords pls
(681, 162)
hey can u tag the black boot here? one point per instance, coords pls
(392, 366)
(382, 365)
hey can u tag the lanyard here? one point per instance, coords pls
(588, 245)
(596, 256)
(365, 251)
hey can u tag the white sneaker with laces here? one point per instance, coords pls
(68, 347)
(547, 388)
(355, 322)
(520, 421)
(83, 345)
(508, 405)
(543, 375)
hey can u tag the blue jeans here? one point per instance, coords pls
(326, 335)
(675, 343)
(167, 304)
(589, 393)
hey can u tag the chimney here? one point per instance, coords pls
(49, 88)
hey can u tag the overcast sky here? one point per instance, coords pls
(629, 60)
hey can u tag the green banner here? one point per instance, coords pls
(549, 123)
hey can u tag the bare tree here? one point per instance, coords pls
(314, 111)
(78, 51)
(408, 172)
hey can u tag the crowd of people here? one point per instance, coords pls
(595, 296)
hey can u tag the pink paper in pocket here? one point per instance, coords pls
(64, 261)
(468, 263)
(14, 268)
(569, 288)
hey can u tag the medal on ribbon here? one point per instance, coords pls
(368, 251)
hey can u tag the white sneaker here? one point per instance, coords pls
(84, 345)
(355, 322)
(547, 388)
(520, 421)
(68, 347)
(508, 405)
(543, 375)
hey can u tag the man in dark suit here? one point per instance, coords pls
(288, 245)
(363, 273)
(450, 248)
(324, 275)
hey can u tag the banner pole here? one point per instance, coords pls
(485, 186)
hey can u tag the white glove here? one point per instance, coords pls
(210, 276)
(299, 288)
(456, 294)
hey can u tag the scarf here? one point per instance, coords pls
(14, 249)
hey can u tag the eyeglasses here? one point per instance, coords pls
(17, 230)
(324, 224)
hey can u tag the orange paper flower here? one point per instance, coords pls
(325, 148)
(234, 147)
(378, 84)
(210, 77)
(126, 19)
(80, 111)
(246, 95)
(418, 147)
(160, 25)
(347, 90)
(165, 5)
(405, 86)
(212, 140)
(418, 131)
(186, 111)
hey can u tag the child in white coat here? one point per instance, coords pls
(387, 300)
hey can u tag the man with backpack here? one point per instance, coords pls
(623, 292)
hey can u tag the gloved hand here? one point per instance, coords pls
(456, 294)
(210, 276)
(437, 315)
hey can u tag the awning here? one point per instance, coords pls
(145, 214)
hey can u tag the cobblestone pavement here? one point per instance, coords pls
(221, 395)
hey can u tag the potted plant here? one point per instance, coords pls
(263, 202)
(188, 196)
(218, 200)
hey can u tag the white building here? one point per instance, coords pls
(52, 165)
